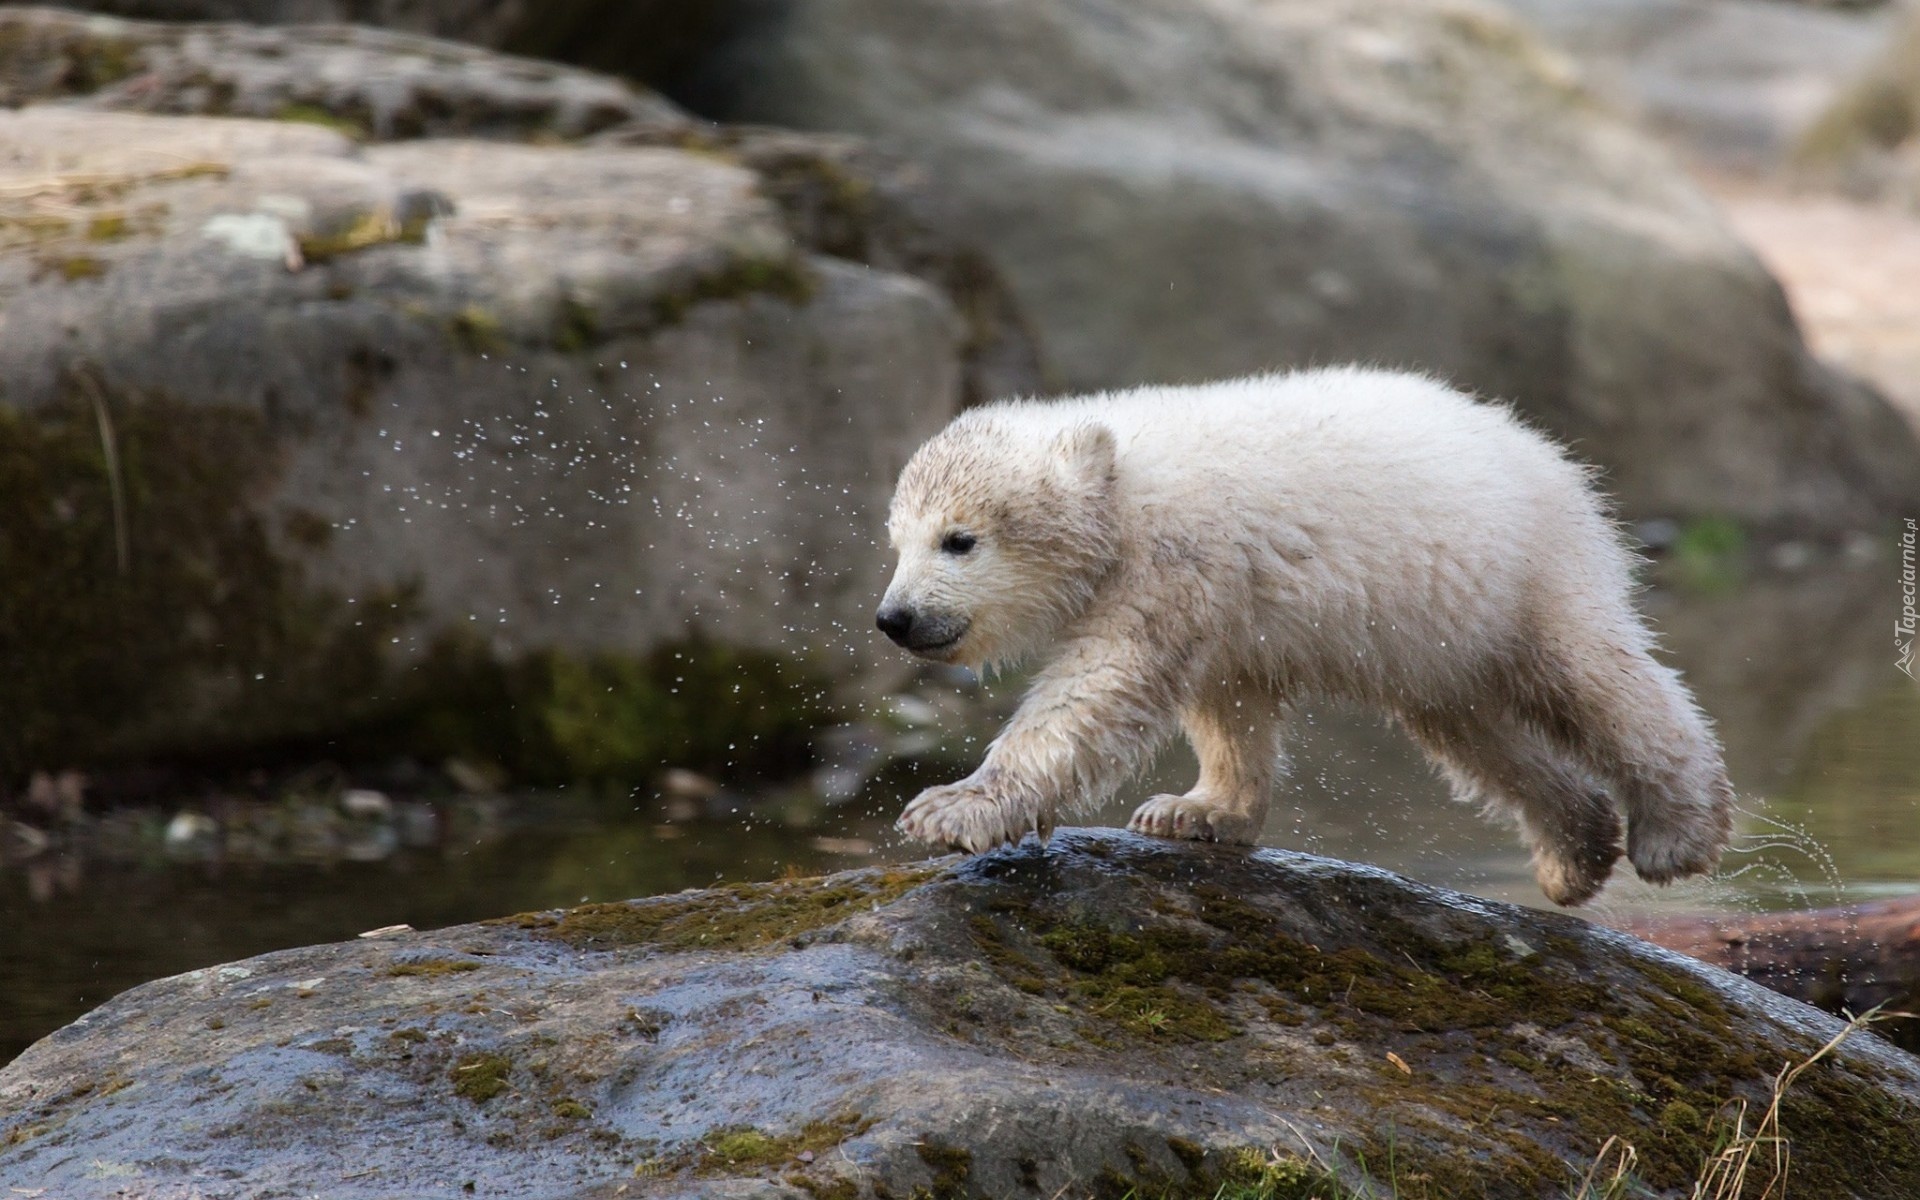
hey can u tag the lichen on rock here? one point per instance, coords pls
(1108, 1015)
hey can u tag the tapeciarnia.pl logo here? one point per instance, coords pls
(1903, 629)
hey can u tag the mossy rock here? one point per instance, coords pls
(152, 610)
(296, 492)
(976, 1028)
(144, 594)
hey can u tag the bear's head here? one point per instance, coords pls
(1005, 529)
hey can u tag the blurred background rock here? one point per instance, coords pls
(457, 402)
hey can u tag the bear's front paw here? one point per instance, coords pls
(966, 816)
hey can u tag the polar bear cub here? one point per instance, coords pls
(1207, 557)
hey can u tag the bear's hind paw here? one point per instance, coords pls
(1195, 818)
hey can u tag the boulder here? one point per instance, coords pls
(1107, 1016)
(1868, 139)
(373, 82)
(1735, 82)
(281, 408)
(644, 38)
(1179, 191)
(331, 446)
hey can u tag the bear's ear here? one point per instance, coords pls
(1085, 454)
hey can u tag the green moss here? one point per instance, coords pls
(575, 327)
(736, 917)
(612, 719)
(1677, 1116)
(1130, 978)
(146, 603)
(743, 1147)
(432, 966)
(1509, 1118)
(32, 229)
(480, 1077)
(731, 1149)
(830, 206)
(313, 114)
(1709, 556)
(408, 1036)
(64, 63)
(1191, 1154)
(569, 1109)
(107, 227)
(364, 231)
(76, 267)
(785, 278)
(1166, 980)
(1231, 1173)
(477, 331)
(951, 1165)
(839, 1187)
(1252, 1175)
(1011, 966)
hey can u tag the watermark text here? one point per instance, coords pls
(1903, 628)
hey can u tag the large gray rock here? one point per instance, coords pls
(1178, 190)
(306, 403)
(1736, 82)
(1868, 138)
(376, 82)
(1110, 1015)
(643, 38)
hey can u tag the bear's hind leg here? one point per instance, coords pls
(1634, 724)
(1238, 744)
(1569, 825)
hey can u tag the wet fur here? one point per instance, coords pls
(1204, 558)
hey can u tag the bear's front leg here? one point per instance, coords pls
(972, 815)
(1100, 708)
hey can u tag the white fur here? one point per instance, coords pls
(1204, 557)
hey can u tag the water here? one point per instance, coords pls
(1823, 738)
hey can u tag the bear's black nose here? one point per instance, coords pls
(896, 623)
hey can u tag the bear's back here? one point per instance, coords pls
(1351, 443)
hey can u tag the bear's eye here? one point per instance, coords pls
(956, 543)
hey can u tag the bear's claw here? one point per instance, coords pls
(1195, 818)
(965, 816)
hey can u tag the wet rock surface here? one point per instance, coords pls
(1111, 1013)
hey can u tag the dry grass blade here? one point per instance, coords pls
(1761, 1156)
(116, 485)
(1602, 1183)
(1747, 1155)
